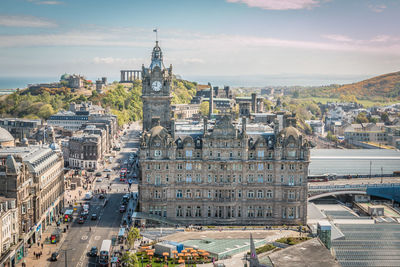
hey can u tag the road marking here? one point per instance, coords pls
(84, 237)
(97, 237)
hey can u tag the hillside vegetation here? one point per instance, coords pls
(383, 88)
(387, 86)
(123, 101)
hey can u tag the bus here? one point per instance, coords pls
(105, 253)
(121, 235)
(122, 174)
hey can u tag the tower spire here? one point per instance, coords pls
(156, 31)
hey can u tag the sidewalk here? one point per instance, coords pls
(70, 196)
(30, 260)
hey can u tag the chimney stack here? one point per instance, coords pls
(205, 124)
(253, 102)
(211, 102)
(243, 124)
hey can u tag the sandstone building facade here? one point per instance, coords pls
(223, 172)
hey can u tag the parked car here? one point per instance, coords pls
(101, 196)
(98, 174)
(81, 220)
(94, 217)
(107, 170)
(99, 180)
(122, 209)
(54, 256)
(93, 252)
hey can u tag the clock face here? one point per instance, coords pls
(156, 85)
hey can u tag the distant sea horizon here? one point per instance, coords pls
(221, 80)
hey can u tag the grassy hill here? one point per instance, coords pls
(123, 100)
(386, 86)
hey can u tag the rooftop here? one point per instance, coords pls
(309, 253)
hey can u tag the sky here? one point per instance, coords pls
(260, 42)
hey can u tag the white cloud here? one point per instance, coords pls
(117, 61)
(279, 4)
(377, 8)
(194, 46)
(25, 21)
(381, 39)
(337, 37)
(38, 2)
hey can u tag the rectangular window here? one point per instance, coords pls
(198, 178)
(189, 153)
(179, 178)
(179, 193)
(188, 166)
(209, 178)
(282, 167)
(260, 178)
(157, 180)
(250, 178)
(260, 166)
(179, 166)
(260, 154)
(188, 178)
(239, 193)
(157, 153)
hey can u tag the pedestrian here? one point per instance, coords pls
(38, 244)
(42, 245)
(34, 253)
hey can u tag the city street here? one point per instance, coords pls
(80, 238)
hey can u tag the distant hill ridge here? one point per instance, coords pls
(386, 85)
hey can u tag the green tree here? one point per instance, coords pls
(133, 235)
(46, 111)
(204, 108)
(129, 259)
(331, 137)
(296, 94)
(361, 118)
(385, 117)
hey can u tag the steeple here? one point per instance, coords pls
(156, 57)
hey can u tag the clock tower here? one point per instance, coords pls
(156, 92)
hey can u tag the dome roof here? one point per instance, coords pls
(65, 77)
(5, 136)
(158, 131)
(54, 146)
(290, 131)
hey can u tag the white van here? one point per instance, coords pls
(88, 195)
